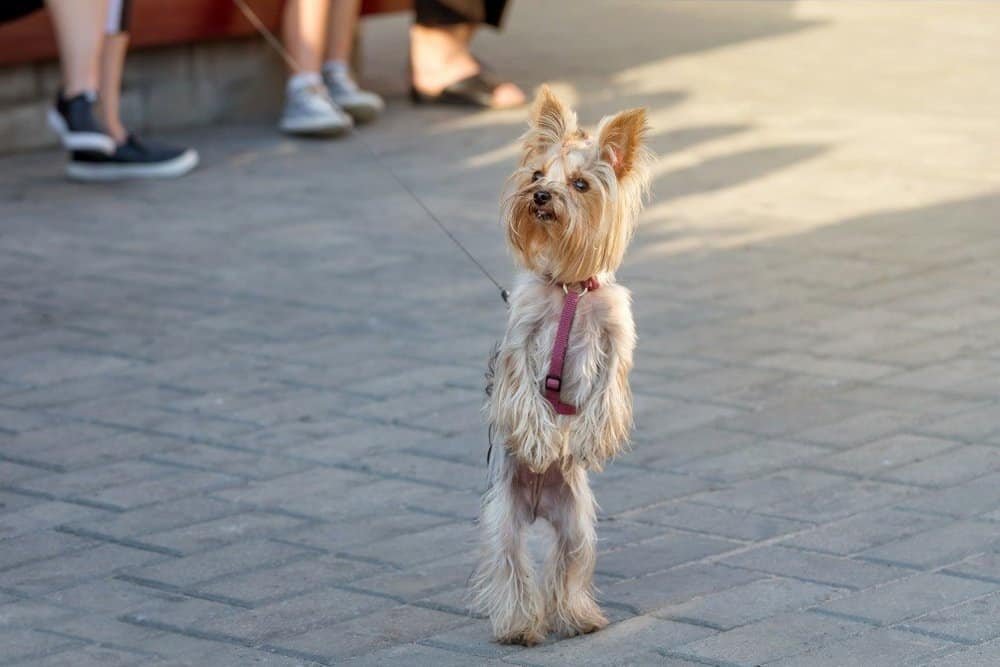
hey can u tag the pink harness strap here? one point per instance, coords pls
(553, 381)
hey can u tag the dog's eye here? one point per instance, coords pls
(581, 185)
(535, 176)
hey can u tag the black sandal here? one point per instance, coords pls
(473, 91)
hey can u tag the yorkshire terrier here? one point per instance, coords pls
(559, 400)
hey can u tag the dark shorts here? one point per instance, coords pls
(450, 12)
(15, 9)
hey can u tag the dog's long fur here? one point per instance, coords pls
(541, 469)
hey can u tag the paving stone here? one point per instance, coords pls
(949, 468)
(983, 565)
(32, 547)
(984, 655)
(618, 491)
(656, 591)
(882, 647)
(660, 553)
(416, 654)
(771, 639)
(284, 618)
(618, 644)
(31, 644)
(864, 531)
(815, 567)
(899, 600)
(938, 546)
(416, 548)
(753, 460)
(973, 621)
(45, 576)
(966, 500)
(218, 532)
(751, 602)
(260, 586)
(887, 454)
(372, 632)
(733, 524)
(209, 565)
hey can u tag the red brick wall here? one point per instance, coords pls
(155, 22)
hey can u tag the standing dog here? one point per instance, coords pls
(558, 395)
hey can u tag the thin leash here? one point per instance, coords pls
(280, 49)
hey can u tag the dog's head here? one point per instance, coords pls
(571, 206)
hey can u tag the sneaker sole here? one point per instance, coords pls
(94, 173)
(314, 128)
(79, 141)
(362, 113)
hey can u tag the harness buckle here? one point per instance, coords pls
(553, 383)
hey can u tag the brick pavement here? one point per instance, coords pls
(239, 412)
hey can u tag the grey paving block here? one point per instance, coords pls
(820, 568)
(949, 468)
(656, 591)
(865, 530)
(883, 456)
(619, 644)
(905, 598)
(972, 621)
(753, 460)
(66, 570)
(416, 654)
(191, 570)
(262, 585)
(719, 521)
(16, 645)
(984, 655)
(44, 515)
(877, 647)
(965, 500)
(38, 546)
(750, 602)
(939, 546)
(427, 545)
(372, 632)
(618, 490)
(771, 639)
(215, 533)
(657, 554)
(284, 618)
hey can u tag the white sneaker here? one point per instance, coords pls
(363, 105)
(310, 111)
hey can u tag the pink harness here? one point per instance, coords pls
(553, 381)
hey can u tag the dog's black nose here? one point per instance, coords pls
(542, 197)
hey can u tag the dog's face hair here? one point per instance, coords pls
(571, 206)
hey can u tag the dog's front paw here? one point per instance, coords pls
(581, 617)
(524, 637)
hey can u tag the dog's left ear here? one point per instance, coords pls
(620, 139)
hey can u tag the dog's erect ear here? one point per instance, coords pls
(620, 138)
(550, 121)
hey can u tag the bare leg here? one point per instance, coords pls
(303, 29)
(568, 503)
(79, 28)
(343, 23)
(504, 584)
(112, 64)
(440, 56)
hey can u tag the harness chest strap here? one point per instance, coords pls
(553, 381)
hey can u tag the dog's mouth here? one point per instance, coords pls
(542, 214)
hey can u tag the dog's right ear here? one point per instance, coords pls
(550, 121)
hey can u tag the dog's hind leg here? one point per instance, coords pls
(568, 503)
(504, 584)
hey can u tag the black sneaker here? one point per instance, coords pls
(132, 159)
(73, 120)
